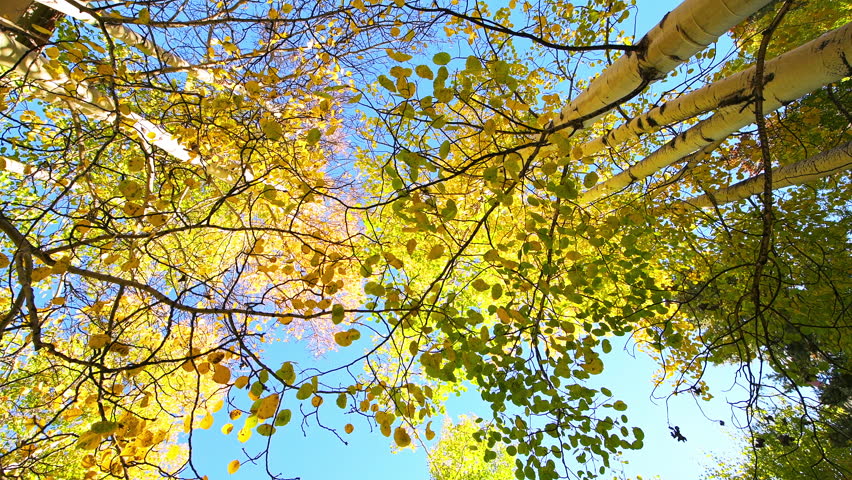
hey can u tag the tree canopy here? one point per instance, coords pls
(433, 195)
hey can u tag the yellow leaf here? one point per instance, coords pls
(98, 340)
(132, 209)
(144, 17)
(157, 219)
(401, 437)
(206, 422)
(435, 252)
(429, 433)
(244, 434)
(267, 407)
(227, 428)
(398, 56)
(88, 441)
(342, 339)
(233, 466)
(241, 381)
(4, 261)
(52, 52)
(316, 401)
(349, 428)
(594, 367)
(221, 374)
(40, 273)
(271, 129)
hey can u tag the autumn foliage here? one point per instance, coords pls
(448, 194)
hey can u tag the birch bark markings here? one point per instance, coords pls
(803, 171)
(824, 62)
(24, 62)
(732, 90)
(129, 37)
(682, 33)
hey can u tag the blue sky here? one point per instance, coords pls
(318, 454)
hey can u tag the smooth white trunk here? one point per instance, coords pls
(52, 85)
(826, 61)
(11, 165)
(129, 37)
(822, 165)
(685, 31)
(735, 89)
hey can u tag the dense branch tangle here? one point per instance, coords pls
(148, 270)
(479, 243)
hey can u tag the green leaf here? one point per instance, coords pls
(287, 373)
(449, 211)
(590, 180)
(314, 136)
(496, 291)
(423, 71)
(444, 150)
(472, 64)
(387, 83)
(265, 429)
(442, 58)
(305, 391)
(283, 417)
(104, 427)
(271, 129)
(337, 313)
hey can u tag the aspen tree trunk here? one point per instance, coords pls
(26, 63)
(825, 62)
(803, 171)
(682, 33)
(732, 90)
(129, 37)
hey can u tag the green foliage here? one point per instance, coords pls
(792, 443)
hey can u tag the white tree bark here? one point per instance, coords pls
(53, 84)
(826, 61)
(129, 37)
(685, 31)
(732, 90)
(11, 165)
(822, 165)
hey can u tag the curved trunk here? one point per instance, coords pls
(732, 90)
(685, 31)
(26, 63)
(803, 171)
(826, 61)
